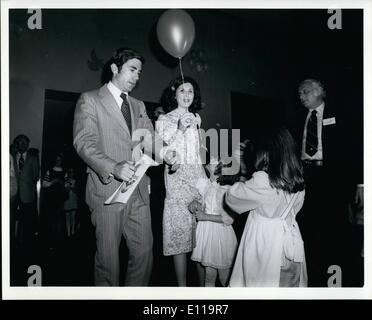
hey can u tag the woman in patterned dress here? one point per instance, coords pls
(179, 128)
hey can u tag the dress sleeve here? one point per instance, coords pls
(220, 195)
(202, 185)
(246, 196)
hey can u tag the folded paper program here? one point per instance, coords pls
(125, 190)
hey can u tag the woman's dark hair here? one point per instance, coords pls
(119, 57)
(276, 154)
(54, 160)
(169, 101)
(21, 137)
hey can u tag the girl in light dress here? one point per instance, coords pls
(271, 251)
(71, 203)
(216, 242)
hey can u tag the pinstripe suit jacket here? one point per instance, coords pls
(102, 139)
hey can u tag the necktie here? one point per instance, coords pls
(126, 111)
(312, 134)
(21, 163)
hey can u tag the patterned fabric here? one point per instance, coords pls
(125, 110)
(312, 134)
(177, 219)
(21, 162)
(180, 185)
(102, 139)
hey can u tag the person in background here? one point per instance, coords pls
(320, 135)
(70, 205)
(13, 188)
(54, 196)
(27, 171)
(158, 112)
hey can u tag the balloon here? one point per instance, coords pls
(199, 67)
(176, 32)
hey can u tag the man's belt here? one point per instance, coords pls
(315, 163)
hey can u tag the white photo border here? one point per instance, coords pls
(166, 293)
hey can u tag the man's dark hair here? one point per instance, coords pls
(119, 57)
(21, 137)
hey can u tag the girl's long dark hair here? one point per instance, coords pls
(276, 154)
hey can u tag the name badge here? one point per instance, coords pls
(329, 121)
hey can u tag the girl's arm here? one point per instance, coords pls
(246, 196)
(225, 218)
(201, 216)
(196, 208)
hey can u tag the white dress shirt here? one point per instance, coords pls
(115, 91)
(18, 156)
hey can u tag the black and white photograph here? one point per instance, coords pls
(249, 119)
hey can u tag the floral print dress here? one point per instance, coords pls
(180, 185)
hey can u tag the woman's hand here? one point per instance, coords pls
(186, 121)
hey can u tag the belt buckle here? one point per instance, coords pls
(315, 163)
(318, 163)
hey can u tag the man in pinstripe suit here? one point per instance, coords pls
(103, 139)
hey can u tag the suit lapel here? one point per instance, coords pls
(328, 112)
(110, 104)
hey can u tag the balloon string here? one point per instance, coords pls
(181, 69)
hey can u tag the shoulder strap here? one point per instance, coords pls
(289, 206)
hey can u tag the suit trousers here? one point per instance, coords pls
(322, 224)
(13, 218)
(28, 221)
(134, 223)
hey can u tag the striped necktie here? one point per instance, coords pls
(21, 162)
(126, 111)
(312, 134)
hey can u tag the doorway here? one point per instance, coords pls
(254, 114)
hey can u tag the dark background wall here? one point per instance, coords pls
(263, 53)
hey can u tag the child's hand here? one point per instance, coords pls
(195, 206)
(199, 215)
